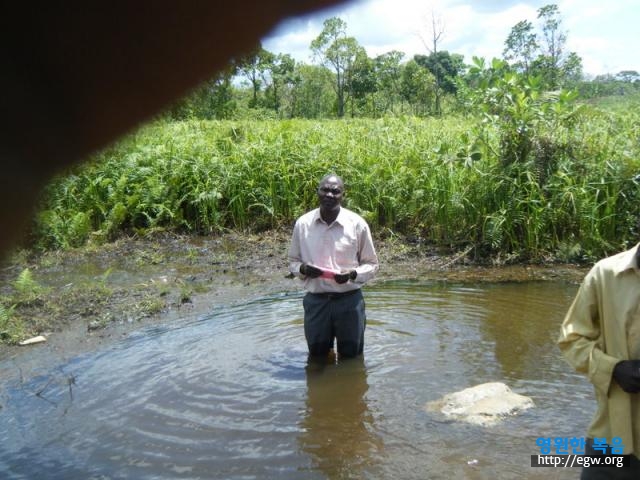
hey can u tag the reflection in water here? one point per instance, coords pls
(232, 395)
(337, 426)
(517, 321)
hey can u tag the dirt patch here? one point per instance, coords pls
(81, 299)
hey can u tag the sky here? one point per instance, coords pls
(602, 33)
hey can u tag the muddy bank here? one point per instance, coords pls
(84, 298)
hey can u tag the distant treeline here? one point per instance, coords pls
(344, 81)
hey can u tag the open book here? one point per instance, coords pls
(326, 272)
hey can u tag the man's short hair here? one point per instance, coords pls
(328, 176)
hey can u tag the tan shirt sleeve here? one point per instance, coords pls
(581, 340)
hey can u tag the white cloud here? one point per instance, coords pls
(602, 33)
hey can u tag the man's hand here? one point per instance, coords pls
(345, 277)
(627, 374)
(310, 271)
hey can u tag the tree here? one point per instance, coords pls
(418, 87)
(361, 80)
(213, 99)
(219, 98)
(521, 46)
(281, 76)
(554, 41)
(628, 76)
(622, 83)
(338, 52)
(311, 93)
(543, 53)
(252, 67)
(571, 69)
(444, 66)
(436, 31)
(388, 75)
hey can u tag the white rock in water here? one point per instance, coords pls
(483, 404)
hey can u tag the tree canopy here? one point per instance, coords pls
(343, 79)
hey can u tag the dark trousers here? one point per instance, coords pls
(605, 473)
(339, 316)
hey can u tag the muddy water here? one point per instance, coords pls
(231, 394)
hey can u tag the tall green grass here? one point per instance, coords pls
(440, 179)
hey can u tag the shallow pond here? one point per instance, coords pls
(231, 395)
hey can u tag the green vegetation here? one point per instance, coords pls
(529, 174)
(11, 329)
(514, 160)
(26, 287)
(27, 308)
(344, 81)
(27, 292)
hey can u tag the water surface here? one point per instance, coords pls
(231, 395)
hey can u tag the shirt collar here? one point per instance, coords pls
(339, 218)
(627, 261)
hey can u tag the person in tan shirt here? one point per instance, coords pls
(600, 337)
(332, 252)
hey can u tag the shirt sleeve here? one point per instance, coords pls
(295, 252)
(367, 257)
(581, 339)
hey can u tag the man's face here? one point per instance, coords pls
(330, 193)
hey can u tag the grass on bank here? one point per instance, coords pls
(574, 196)
(528, 190)
(27, 308)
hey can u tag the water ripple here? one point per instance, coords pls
(232, 395)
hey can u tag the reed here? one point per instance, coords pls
(440, 179)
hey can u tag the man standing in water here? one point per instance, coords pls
(332, 252)
(600, 337)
